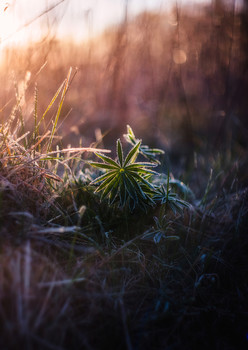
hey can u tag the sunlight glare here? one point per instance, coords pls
(9, 25)
(6, 24)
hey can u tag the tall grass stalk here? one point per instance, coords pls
(65, 89)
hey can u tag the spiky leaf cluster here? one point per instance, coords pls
(149, 153)
(170, 199)
(125, 180)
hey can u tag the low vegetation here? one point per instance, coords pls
(124, 200)
(113, 254)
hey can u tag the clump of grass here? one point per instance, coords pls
(23, 178)
(28, 165)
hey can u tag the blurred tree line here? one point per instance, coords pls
(179, 78)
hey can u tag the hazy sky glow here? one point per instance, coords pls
(73, 18)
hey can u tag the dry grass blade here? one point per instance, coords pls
(77, 150)
(65, 89)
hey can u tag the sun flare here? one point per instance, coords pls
(10, 25)
(5, 22)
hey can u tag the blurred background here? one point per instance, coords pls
(176, 71)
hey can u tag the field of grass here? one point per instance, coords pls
(127, 237)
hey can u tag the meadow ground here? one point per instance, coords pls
(136, 260)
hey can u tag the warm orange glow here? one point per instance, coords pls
(179, 56)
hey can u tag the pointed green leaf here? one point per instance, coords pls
(102, 165)
(109, 186)
(105, 183)
(107, 160)
(137, 187)
(130, 188)
(141, 179)
(102, 177)
(114, 192)
(130, 131)
(142, 165)
(119, 152)
(145, 172)
(122, 193)
(132, 155)
(152, 151)
(130, 139)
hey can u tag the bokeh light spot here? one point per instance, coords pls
(179, 56)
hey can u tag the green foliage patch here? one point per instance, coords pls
(131, 183)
